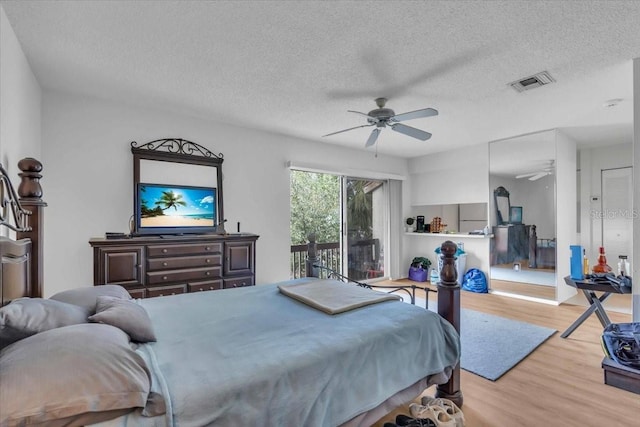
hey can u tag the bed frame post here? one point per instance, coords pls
(312, 257)
(30, 193)
(449, 308)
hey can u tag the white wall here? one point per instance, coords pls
(446, 178)
(450, 177)
(20, 99)
(88, 177)
(566, 218)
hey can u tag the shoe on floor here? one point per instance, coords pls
(437, 414)
(389, 425)
(407, 421)
(451, 408)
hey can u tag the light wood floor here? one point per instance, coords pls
(559, 384)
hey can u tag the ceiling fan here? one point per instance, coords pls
(382, 117)
(536, 175)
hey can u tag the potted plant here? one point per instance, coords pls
(419, 269)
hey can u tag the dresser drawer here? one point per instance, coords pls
(172, 263)
(238, 282)
(186, 275)
(186, 249)
(166, 290)
(211, 285)
(137, 292)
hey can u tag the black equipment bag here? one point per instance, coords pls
(621, 342)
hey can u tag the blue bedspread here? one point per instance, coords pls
(255, 357)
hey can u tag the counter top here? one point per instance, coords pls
(451, 235)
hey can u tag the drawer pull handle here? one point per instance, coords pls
(210, 288)
(173, 293)
(208, 261)
(201, 289)
(208, 273)
(235, 285)
(207, 248)
(164, 251)
(164, 264)
(164, 277)
(161, 295)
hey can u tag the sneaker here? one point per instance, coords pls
(406, 421)
(437, 414)
(451, 408)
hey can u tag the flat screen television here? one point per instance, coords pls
(174, 209)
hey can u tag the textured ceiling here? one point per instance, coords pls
(295, 68)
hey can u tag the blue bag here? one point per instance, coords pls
(475, 281)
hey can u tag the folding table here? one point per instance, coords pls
(589, 288)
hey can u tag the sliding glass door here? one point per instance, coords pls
(350, 218)
(365, 227)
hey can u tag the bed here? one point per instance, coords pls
(256, 357)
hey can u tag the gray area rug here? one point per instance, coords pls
(492, 345)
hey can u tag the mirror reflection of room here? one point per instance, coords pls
(463, 218)
(523, 247)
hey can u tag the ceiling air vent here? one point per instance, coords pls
(532, 82)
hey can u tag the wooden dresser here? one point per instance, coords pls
(155, 266)
(510, 243)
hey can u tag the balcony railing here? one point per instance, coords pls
(329, 254)
(365, 261)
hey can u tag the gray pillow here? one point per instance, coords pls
(87, 372)
(126, 315)
(28, 316)
(86, 297)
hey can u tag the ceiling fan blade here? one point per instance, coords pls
(344, 130)
(526, 175)
(538, 176)
(373, 137)
(413, 132)
(358, 112)
(426, 112)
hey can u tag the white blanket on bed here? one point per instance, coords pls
(334, 297)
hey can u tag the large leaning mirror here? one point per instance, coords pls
(177, 187)
(523, 215)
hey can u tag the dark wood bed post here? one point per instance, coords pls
(448, 304)
(30, 193)
(449, 308)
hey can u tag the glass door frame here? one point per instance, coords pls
(375, 265)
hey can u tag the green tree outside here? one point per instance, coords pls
(315, 207)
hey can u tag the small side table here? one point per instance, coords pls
(589, 289)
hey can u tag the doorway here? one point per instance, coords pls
(349, 216)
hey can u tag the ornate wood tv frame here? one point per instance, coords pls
(22, 258)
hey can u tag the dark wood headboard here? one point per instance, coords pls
(21, 215)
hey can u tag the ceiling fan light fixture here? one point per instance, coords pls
(381, 117)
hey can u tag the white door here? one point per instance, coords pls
(617, 214)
